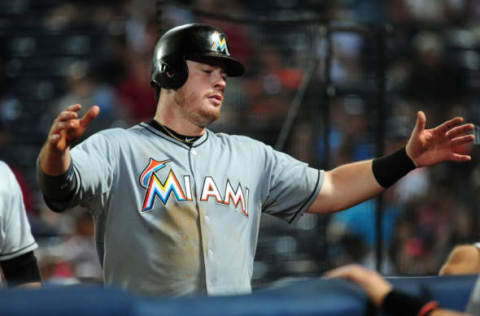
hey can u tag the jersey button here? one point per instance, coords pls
(210, 253)
(194, 152)
(207, 219)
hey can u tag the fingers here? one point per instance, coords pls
(336, 273)
(58, 140)
(89, 116)
(65, 120)
(459, 130)
(350, 272)
(448, 125)
(67, 115)
(54, 138)
(74, 107)
(68, 124)
(460, 144)
(462, 140)
(460, 158)
(67, 127)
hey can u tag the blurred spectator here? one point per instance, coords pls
(427, 11)
(271, 90)
(349, 138)
(432, 81)
(135, 92)
(427, 230)
(74, 259)
(83, 87)
(346, 68)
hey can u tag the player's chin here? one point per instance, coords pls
(213, 110)
(210, 115)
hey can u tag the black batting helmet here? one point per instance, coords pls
(190, 41)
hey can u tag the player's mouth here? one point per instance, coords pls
(216, 99)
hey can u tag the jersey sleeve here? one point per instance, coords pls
(473, 305)
(16, 237)
(291, 185)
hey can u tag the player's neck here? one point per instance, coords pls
(187, 140)
(180, 126)
(169, 114)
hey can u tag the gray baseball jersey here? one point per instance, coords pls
(473, 306)
(15, 235)
(178, 220)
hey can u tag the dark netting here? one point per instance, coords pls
(330, 90)
(328, 82)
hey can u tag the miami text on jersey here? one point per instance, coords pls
(163, 190)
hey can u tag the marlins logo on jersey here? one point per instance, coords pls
(163, 190)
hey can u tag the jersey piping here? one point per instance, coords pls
(307, 200)
(18, 250)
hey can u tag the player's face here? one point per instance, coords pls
(201, 97)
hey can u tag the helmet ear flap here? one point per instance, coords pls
(170, 76)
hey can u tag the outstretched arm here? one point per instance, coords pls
(378, 288)
(54, 157)
(353, 183)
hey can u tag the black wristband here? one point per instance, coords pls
(390, 168)
(58, 188)
(397, 303)
(20, 270)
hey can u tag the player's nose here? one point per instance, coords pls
(220, 81)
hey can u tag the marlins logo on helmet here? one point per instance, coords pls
(219, 43)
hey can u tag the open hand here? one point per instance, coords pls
(67, 127)
(446, 142)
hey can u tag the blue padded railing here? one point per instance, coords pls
(307, 297)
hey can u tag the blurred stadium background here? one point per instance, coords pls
(328, 82)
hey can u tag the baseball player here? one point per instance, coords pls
(176, 206)
(17, 260)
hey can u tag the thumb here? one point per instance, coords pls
(89, 116)
(421, 122)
